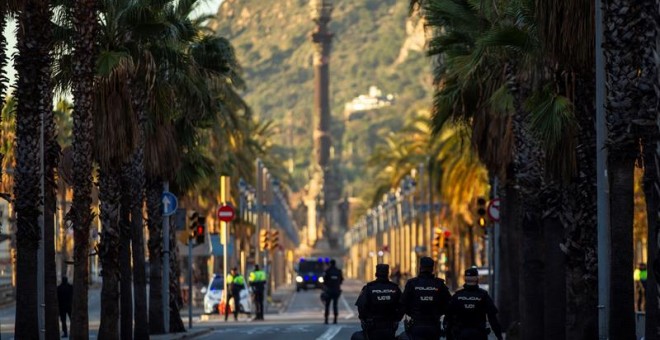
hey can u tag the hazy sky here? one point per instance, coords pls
(205, 7)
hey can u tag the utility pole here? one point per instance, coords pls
(602, 180)
(258, 199)
(166, 265)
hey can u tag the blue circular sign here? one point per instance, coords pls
(170, 203)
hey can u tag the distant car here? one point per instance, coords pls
(309, 273)
(213, 296)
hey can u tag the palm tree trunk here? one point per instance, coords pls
(52, 155)
(126, 283)
(621, 171)
(109, 195)
(34, 100)
(137, 222)
(532, 284)
(176, 323)
(154, 209)
(3, 54)
(555, 282)
(581, 260)
(80, 215)
(508, 301)
(652, 207)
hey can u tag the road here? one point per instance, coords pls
(302, 318)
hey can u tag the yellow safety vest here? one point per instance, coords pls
(258, 276)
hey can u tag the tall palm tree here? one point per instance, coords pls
(34, 96)
(80, 215)
(620, 20)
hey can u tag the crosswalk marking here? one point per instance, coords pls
(330, 333)
(348, 308)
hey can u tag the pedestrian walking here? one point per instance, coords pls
(332, 280)
(228, 283)
(425, 299)
(258, 284)
(237, 284)
(639, 275)
(396, 275)
(379, 307)
(64, 300)
(468, 309)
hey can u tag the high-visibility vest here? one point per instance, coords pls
(238, 280)
(258, 276)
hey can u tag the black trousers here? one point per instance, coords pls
(227, 306)
(334, 298)
(259, 304)
(237, 303)
(471, 334)
(63, 315)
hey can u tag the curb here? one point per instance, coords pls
(285, 303)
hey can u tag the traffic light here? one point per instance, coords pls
(263, 239)
(437, 242)
(274, 239)
(200, 230)
(481, 211)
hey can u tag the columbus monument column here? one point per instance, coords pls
(321, 37)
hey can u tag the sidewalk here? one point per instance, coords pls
(198, 330)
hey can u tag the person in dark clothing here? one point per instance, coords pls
(65, 299)
(425, 299)
(237, 284)
(332, 280)
(258, 285)
(468, 309)
(379, 307)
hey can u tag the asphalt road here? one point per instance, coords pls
(302, 319)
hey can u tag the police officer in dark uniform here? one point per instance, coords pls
(425, 299)
(332, 281)
(468, 309)
(379, 307)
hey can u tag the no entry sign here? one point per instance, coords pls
(226, 213)
(494, 210)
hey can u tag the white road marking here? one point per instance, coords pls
(330, 333)
(348, 307)
(293, 298)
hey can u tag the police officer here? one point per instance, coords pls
(229, 281)
(468, 308)
(237, 284)
(258, 284)
(425, 299)
(332, 280)
(379, 307)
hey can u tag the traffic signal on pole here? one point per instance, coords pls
(200, 230)
(263, 239)
(274, 239)
(437, 242)
(481, 211)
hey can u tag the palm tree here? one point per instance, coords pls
(620, 20)
(80, 215)
(33, 93)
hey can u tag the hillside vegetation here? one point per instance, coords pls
(376, 43)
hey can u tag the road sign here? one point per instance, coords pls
(226, 213)
(494, 210)
(170, 203)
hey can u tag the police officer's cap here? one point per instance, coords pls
(382, 270)
(426, 262)
(471, 272)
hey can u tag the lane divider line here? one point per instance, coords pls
(348, 307)
(330, 333)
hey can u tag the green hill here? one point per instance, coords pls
(376, 43)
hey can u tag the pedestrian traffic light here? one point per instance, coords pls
(437, 242)
(263, 239)
(481, 211)
(274, 239)
(200, 230)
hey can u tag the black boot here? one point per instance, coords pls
(326, 320)
(335, 319)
